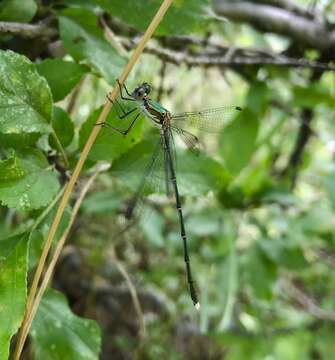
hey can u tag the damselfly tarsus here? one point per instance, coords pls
(210, 120)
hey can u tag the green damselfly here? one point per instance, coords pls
(210, 120)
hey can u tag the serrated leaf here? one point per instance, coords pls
(25, 97)
(13, 287)
(35, 189)
(62, 76)
(109, 144)
(11, 168)
(17, 10)
(59, 334)
(183, 17)
(84, 41)
(238, 141)
(63, 127)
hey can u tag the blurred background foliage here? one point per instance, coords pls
(259, 201)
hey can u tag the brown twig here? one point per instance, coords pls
(304, 134)
(133, 293)
(69, 189)
(74, 96)
(240, 57)
(306, 302)
(265, 17)
(27, 30)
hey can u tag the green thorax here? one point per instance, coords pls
(156, 106)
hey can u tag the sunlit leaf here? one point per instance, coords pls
(17, 10)
(25, 97)
(33, 190)
(238, 141)
(183, 17)
(63, 127)
(84, 40)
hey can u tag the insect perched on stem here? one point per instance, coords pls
(210, 120)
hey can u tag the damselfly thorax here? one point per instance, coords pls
(160, 116)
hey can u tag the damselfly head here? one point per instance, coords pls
(141, 91)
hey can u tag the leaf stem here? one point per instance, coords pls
(60, 148)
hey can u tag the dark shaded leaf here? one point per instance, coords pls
(62, 76)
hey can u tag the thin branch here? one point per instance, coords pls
(248, 57)
(278, 20)
(291, 6)
(133, 293)
(304, 134)
(306, 302)
(74, 96)
(27, 30)
(69, 189)
(327, 256)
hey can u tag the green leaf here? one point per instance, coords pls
(259, 272)
(17, 10)
(329, 184)
(63, 127)
(84, 41)
(13, 287)
(183, 17)
(62, 76)
(11, 168)
(153, 226)
(109, 144)
(238, 141)
(101, 202)
(258, 97)
(18, 141)
(35, 189)
(196, 175)
(313, 95)
(59, 334)
(25, 97)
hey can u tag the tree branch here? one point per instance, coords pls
(27, 30)
(291, 6)
(225, 57)
(278, 20)
(306, 301)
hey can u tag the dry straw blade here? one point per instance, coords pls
(31, 303)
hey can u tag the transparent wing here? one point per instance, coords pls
(210, 120)
(191, 141)
(152, 181)
(155, 180)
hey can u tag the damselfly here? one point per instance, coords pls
(210, 120)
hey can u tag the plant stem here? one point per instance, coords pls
(28, 318)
